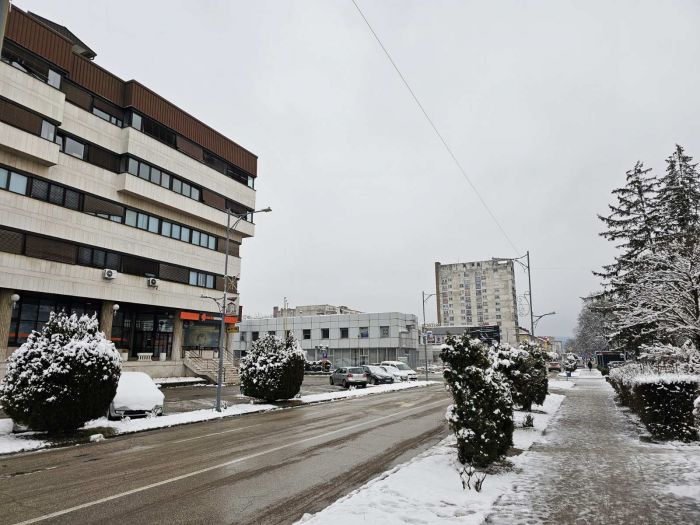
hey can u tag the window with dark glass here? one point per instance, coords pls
(325, 333)
(306, 333)
(344, 333)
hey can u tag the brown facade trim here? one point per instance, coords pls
(37, 37)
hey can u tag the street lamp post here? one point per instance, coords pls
(425, 343)
(222, 306)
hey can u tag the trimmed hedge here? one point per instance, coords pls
(273, 368)
(665, 406)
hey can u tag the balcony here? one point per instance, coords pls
(32, 93)
(29, 146)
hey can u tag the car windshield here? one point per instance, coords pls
(402, 366)
(356, 370)
(389, 368)
(375, 369)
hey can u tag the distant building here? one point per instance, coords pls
(436, 336)
(312, 309)
(478, 294)
(343, 339)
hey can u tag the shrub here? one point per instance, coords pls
(665, 405)
(603, 370)
(525, 368)
(61, 377)
(482, 413)
(273, 368)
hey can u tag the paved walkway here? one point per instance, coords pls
(593, 469)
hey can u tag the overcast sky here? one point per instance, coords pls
(545, 103)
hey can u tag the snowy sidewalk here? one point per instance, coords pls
(593, 469)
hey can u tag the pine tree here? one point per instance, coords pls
(634, 223)
(482, 413)
(678, 200)
(62, 376)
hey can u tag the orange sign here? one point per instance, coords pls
(196, 316)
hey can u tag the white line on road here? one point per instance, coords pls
(221, 465)
(213, 434)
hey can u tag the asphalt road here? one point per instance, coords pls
(261, 468)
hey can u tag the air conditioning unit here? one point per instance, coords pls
(107, 273)
(152, 282)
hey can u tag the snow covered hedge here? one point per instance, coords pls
(661, 387)
(273, 368)
(482, 413)
(525, 368)
(61, 377)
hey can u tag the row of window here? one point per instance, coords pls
(68, 198)
(325, 333)
(59, 250)
(157, 176)
(106, 116)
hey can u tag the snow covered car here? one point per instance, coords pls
(377, 375)
(137, 396)
(407, 374)
(395, 372)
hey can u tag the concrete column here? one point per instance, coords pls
(106, 318)
(178, 338)
(5, 318)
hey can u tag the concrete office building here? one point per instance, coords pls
(312, 309)
(110, 195)
(479, 293)
(346, 339)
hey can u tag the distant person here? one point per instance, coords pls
(590, 365)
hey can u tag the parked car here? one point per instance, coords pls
(554, 366)
(407, 374)
(349, 376)
(377, 375)
(394, 372)
(137, 396)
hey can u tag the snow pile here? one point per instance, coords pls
(62, 376)
(428, 489)
(273, 368)
(359, 392)
(11, 443)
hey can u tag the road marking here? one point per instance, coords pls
(220, 465)
(213, 434)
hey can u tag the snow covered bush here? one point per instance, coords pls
(570, 362)
(273, 368)
(661, 387)
(61, 377)
(482, 413)
(525, 368)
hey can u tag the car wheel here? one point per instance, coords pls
(345, 384)
(376, 381)
(331, 380)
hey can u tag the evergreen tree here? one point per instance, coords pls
(61, 377)
(634, 223)
(482, 413)
(678, 200)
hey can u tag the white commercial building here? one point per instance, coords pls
(344, 339)
(477, 294)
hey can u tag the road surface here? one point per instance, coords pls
(261, 468)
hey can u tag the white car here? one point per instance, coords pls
(394, 372)
(407, 374)
(137, 395)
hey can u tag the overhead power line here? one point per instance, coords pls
(435, 129)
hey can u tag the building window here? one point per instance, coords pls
(364, 332)
(254, 336)
(383, 331)
(344, 333)
(48, 131)
(271, 332)
(306, 333)
(18, 183)
(243, 337)
(325, 333)
(72, 147)
(201, 279)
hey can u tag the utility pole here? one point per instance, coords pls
(425, 343)
(529, 286)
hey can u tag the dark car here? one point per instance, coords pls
(377, 375)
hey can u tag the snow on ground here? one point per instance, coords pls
(10, 443)
(178, 380)
(428, 489)
(561, 385)
(359, 392)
